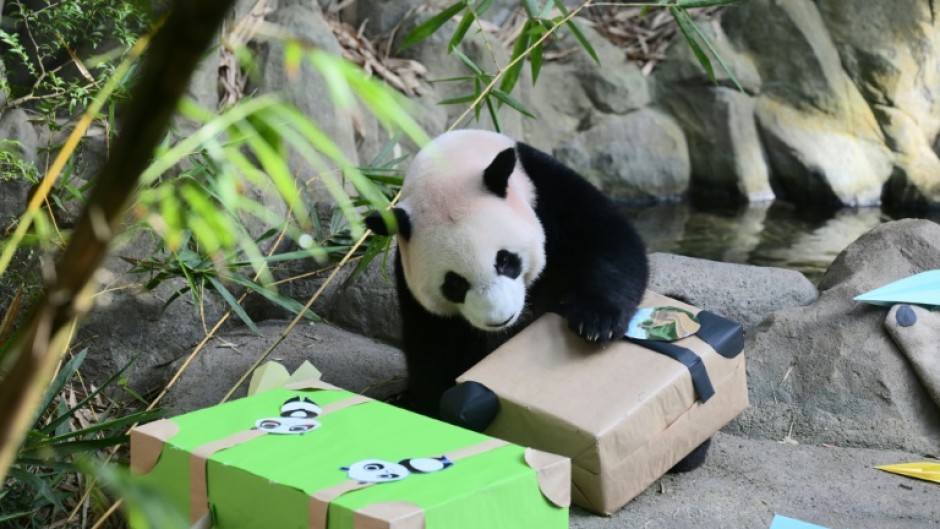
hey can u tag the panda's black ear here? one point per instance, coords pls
(376, 222)
(496, 176)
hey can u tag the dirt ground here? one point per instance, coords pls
(745, 482)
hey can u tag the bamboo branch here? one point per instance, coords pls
(175, 53)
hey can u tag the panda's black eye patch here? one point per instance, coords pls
(508, 264)
(455, 287)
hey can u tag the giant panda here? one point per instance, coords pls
(493, 233)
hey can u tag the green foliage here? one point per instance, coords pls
(529, 45)
(44, 474)
(214, 233)
(13, 166)
(58, 51)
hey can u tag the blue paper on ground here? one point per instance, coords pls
(782, 522)
(918, 289)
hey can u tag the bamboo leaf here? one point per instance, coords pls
(576, 31)
(482, 6)
(477, 89)
(511, 76)
(461, 31)
(374, 248)
(80, 404)
(469, 62)
(459, 100)
(39, 485)
(284, 302)
(691, 4)
(714, 53)
(429, 26)
(535, 57)
(684, 21)
(65, 373)
(493, 115)
(531, 8)
(59, 441)
(514, 103)
(233, 304)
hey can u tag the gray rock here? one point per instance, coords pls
(379, 17)
(307, 90)
(15, 126)
(640, 156)
(129, 326)
(368, 305)
(892, 53)
(559, 101)
(682, 68)
(743, 293)
(827, 373)
(345, 359)
(570, 90)
(616, 85)
(917, 338)
(817, 157)
(728, 160)
(822, 139)
(915, 182)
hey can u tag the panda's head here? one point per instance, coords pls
(468, 236)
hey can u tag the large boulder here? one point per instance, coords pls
(347, 360)
(827, 372)
(822, 139)
(23, 143)
(574, 88)
(368, 304)
(743, 293)
(728, 159)
(133, 328)
(641, 156)
(891, 50)
(727, 156)
(915, 182)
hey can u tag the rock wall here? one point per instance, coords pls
(843, 94)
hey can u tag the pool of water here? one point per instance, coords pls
(773, 234)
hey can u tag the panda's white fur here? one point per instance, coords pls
(464, 225)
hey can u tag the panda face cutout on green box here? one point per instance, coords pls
(468, 236)
(297, 418)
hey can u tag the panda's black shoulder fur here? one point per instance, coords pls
(595, 275)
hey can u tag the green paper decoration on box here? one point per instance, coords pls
(313, 456)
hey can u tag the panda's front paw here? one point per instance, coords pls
(597, 323)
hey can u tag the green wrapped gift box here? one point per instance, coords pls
(313, 456)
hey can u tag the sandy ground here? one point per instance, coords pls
(745, 482)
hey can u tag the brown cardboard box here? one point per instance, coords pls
(624, 414)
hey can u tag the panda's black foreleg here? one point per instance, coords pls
(601, 302)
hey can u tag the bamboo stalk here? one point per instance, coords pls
(174, 54)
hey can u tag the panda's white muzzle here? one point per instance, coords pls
(495, 306)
